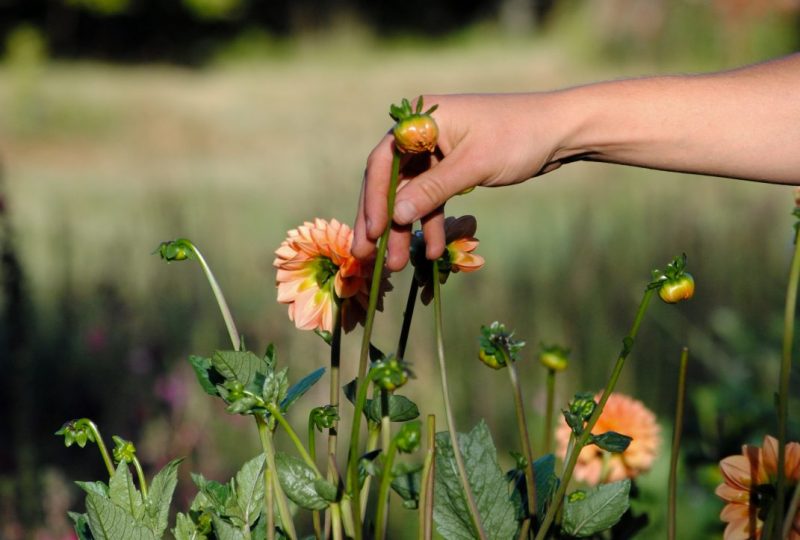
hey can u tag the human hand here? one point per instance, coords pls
(484, 140)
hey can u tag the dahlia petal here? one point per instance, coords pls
(736, 471)
(731, 493)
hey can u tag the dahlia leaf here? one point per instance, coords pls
(401, 409)
(297, 390)
(611, 441)
(297, 480)
(159, 497)
(111, 522)
(587, 513)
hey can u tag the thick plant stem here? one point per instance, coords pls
(783, 387)
(334, 388)
(451, 424)
(269, 502)
(223, 305)
(676, 445)
(374, 292)
(426, 485)
(101, 446)
(142, 479)
(548, 416)
(525, 441)
(312, 451)
(275, 411)
(382, 512)
(265, 434)
(581, 441)
(374, 433)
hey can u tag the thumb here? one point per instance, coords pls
(432, 188)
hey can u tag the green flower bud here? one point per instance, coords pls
(76, 431)
(176, 250)
(582, 405)
(409, 437)
(123, 450)
(389, 373)
(554, 357)
(497, 346)
(324, 417)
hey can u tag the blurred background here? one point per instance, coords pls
(127, 122)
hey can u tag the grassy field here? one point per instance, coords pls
(101, 163)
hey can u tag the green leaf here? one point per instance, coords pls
(185, 529)
(225, 531)
(207, 376)
(81, 524)
(546, 483)
(98, 488)
(123, 492)
(248, 486)
(611, 441)
(297, 480)
(301, 387)
(275, 386)
(326, 490)
(401, 409)
(217, 495)
(242, 366)
(598, 510)
(407, 486)
(450, 512)
(108, 521)
(159, 497)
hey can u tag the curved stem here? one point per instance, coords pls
(676, 445)
(142, 480)
(265, 434)
(783, 386)
(426, 485)
(223, 305)
(581, 441)
(101, 446)
(377, 274)
(382, 513)
(451, 424)
(522, 427)
(548, 417)
(275, 411)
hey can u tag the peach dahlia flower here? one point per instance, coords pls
(743, 475)
(316, 271)
(624, 415)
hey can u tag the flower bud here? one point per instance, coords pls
(389, 374)
(176, 250)
(554, 357)
(76, 431)
(324, 417)
(415, 131)
(123, 450)
(582, 405)
(497, 346)
(409, 436)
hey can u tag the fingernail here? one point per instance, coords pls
(405, 212)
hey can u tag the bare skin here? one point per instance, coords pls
(743, 124)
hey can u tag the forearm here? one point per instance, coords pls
(743, 123)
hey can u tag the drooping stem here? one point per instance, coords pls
(142, 479)
(382, 514)
(101, 446)
(223, 305)
(783, 387)
(627, 345)
(676, 445)
(451, 425)
(374, 292)
(525, 441)
(549, 411)
(426, 484)
(265, 434)
(275, 411)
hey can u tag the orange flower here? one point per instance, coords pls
(458, 257)
(624, 415)
(316, 271)
(745, 477)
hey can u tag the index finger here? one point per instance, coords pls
(371, 218)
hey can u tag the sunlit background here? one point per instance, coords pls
(127, 122)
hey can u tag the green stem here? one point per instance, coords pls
(275, 411)
(783, 388)
(269, 503)
(223, 305)
(382, 513)
(676, 445)
(374, 292)
(101, 446)
(336, 348)
(265, 434)
(312, 451)
(373, 434)
(794, 507)
(386, 424)
(142, 480)
(550, 410)
(451, 424)
(426, 484)
(581, 441)
(522, 427)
